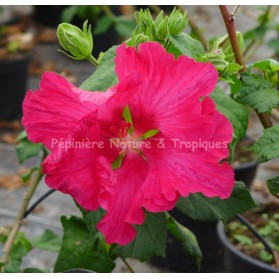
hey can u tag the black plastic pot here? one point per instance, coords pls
(176, 260)
(246, 172)
(13, 80)
(48, 15)
(236, 261)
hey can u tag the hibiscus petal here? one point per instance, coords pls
(154, 63)
(169, 97)
(125, 209)
(176, 173)
(52, 112)
(79, 169)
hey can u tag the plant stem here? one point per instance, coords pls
(229, 22)
(93, 60)
(12, 236)
(230, 26)
(128, 266)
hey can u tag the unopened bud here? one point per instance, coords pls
(140, 38)
(79, 43)
(144, 20)
(218, 59)
(162, 30)
(177, 22)
(159, 18)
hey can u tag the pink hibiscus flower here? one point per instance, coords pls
(152, 138)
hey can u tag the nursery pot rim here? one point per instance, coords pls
(246, 165)
(250, 163)
(228, 245)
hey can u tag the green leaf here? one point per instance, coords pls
(69, 13)
(21, 247)
(26, 176)
(227, 48)
(91, 218)
(243, 239)
(103, 25)
(150, 133)
(186, 45)
(21, 136)
(257, 93)
(80, 250)
(104, 77)
(235, 112)
(236, 85)
(265, 256)
(150, 240)
(267, 146)
(1, 265)
(273, 185)
(49, 241)
(27, 149)
(234, 67)
(268, 64)
(189, 243)
(266, 230)
(199, 207)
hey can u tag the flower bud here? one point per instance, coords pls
(177, 22)
(162, 30)
(218, 59)
(79, 43)
(140, 38)
(144, 20)
(159, 18)
(137, 39)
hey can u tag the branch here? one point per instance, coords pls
(12, 236)
(229, 22)
(128, 266)
(230, 26)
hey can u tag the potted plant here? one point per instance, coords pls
(251, 244)
(15, 55)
